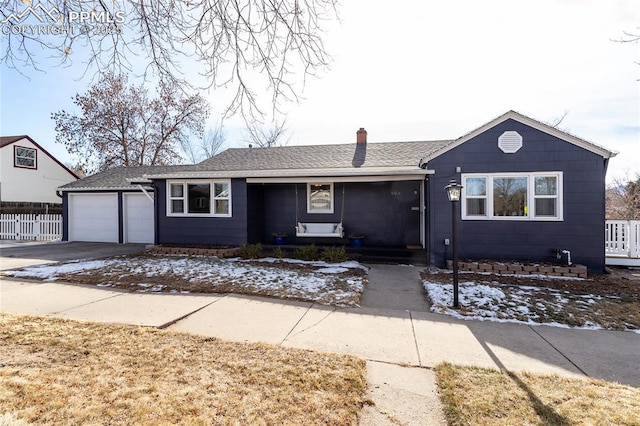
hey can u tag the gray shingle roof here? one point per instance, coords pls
(116, 177)
(305, 158)
(316, 160)
(313, 157)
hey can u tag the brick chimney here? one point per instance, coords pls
(361, 136)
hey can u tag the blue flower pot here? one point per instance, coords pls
(279, 240)
(355, 242)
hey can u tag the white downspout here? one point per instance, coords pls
(145, 193)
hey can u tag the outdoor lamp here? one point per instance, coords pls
(454, 190)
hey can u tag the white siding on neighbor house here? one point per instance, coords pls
(31, 185)
(93, 217)
(138, 219)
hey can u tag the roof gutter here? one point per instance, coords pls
(295, 173)
(103, 188)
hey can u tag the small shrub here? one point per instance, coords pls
(251, 251)
(279, 253)
(309, 252)
(334, 255)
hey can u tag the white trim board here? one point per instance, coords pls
(311, 179)
(296, 173)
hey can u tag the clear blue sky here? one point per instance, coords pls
(422, 70)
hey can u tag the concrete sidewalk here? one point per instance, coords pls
(419, 339)
(397, 344)
(395, 287)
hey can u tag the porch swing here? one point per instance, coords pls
(320, 229)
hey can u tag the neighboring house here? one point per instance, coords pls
(29, 175)
(529, 190)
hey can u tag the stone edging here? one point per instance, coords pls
(577, 271)
(218, 252)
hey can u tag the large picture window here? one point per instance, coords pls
(512, 196)
(320, 198)
(201, 198)
(25, 157)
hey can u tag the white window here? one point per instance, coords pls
(476, 188)
(512, 196)
(545, 196)
(320, 198)
(199, 198)
(25, 157)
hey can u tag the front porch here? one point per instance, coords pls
(622, 242)
(387, 214)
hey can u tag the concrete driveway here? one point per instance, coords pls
(18, 255)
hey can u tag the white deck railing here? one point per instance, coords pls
(622, 238)
(36, 227)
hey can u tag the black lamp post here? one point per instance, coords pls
(454, 190)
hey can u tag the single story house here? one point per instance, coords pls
(30, 176)
(529, 189)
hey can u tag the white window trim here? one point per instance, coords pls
(319, 211)
(530, 197)
(16, 156)
(212, 199)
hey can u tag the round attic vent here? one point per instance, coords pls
(510, 142)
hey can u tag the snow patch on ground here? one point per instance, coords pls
(322, 283)
(49, 272)
(513, 304)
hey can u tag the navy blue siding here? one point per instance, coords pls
(255, 214)
(381, 211)
(203, 230)
(120, 218)
(581, 231)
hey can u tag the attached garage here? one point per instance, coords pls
(138, 218)
(93, 217)
(114, 206)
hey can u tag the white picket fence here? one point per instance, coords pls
(35, 227)
(622, 239)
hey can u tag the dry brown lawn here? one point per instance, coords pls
(55, 371)
(481, 396)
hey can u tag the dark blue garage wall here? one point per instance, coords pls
(381, 211)
(65, 216)
(581, 232)
(203, 230)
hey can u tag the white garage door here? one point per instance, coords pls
(93, 217)
(138, 219)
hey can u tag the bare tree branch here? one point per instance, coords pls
(623, 198)
(245, 45)
(630, 37)
(262, 136)
(119, 124)
(557, 121)
(211, 144)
